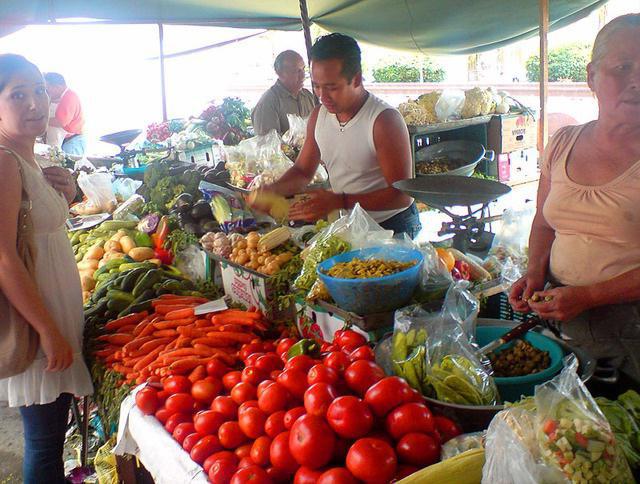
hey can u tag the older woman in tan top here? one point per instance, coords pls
(585, 237)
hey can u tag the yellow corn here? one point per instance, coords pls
(273, 239)
(465, 468)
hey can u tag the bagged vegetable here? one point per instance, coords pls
(100, 197)
(625, 429)
(352, 231)
(454, 373)
(297, 131)
(461, 444)
(574, 435)
(228, 208)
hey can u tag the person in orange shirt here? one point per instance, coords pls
(66, 120)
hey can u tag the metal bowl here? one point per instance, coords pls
(467, 153)
(475, 418)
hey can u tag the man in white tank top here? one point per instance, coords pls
(363, 142)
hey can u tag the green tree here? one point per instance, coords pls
(409, 72)
(565, 63)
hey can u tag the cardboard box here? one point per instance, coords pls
(512, 132)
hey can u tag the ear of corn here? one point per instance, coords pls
(465, 468)
(273, 239)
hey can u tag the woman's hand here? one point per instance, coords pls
(523, 289)
(60, 179)
(561, 303)
(57, 350)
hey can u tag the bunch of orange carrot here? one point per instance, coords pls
(172, 340)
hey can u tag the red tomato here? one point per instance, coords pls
(350, 417)
(175, 419)
(311, 441)
(275, 374)
(340, 449)
(318, 397)
(252, 422)
(252, 359)
(337, 360)
(280, 454)
(252, 475)
(242, 392)
(337, 475)
(322, 374)
(269, 347)
(249, 349)
(262, 385)
(275, 424)
(387, 394)
(300, 362)
(208, 422)
(180, 403)
(231, 435)
(177, 384)
(216, 368)
(416, 396)
(253, 375)
(182, 430)
(221, 471)
(304, 475)
(206, 446)
(162, 396)
(349, 339)
(292, 415)
(295, 381)
(245, 462)
(248, 404)
(260, 451)
(447, 428)
(362, 374)
(284, 345)
(225, 406)
(362, 353)
(221, 455)
(278, 476)
(147, 401)
(404, 471)
(273, 399)
(163, 415)
(372, 460)
(206, 390)
(190, 440)
(231, 379)
(269, 362)
(408, 418)
(421, 450)
(326, 347)
(243, 451)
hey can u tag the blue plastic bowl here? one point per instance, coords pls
(512, 388)
(377, 294)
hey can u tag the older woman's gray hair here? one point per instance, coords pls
(601, 44)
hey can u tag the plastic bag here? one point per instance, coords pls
(105, 464)
(454, 372)
(435, 279)
(350, 232)
(297, 131)
(124, 188)
(449, 105)
(461, 444)
(97, 188)
(192, 263)
(129, 209)
(573, 434)
(228, 208)
(511, 451)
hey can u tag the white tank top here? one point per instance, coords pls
(350, 154)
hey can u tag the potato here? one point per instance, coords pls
(140, 254)
(128, 245)
(95, 252)
(88, 264)
(118, 235)
(87, 283)
(112, 245)
(112, 254)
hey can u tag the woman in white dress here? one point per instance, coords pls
(50, 300)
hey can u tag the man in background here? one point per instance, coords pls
(66, 121)
(286, 96)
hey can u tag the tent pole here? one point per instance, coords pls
(304, 16)
(543, 127)
(163, 87)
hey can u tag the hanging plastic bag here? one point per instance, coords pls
(454, 372)
(97, 188)
(297, 131)
(350, 232)
(574, 435)
(449, 105)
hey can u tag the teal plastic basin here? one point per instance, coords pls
(512, 388)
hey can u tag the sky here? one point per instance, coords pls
(115, 70)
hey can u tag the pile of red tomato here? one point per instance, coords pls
(337, 419)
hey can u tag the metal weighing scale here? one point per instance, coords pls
(442, 192)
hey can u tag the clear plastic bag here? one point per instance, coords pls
(130, 209)
(352, 231)
(461, 444)
(454, 372)
(229, 209)
(573, 434)
(297, 131)
(124, 188)
(449, 105)
(100, 197)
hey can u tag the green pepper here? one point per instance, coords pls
(304, 347)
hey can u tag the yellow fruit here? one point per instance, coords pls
(447, 258)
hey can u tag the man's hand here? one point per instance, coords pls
(315, 205)
(561, 303)
(60, 179)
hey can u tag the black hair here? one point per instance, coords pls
(341, 47)
(55, 79)
(12, 64)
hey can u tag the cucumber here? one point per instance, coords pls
(116, 294)
(144, 305)
(116, 225)
(98, 308)
(147, 281)
(129, 282)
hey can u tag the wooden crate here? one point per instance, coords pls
(511, 132)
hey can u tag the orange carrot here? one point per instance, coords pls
(147, 359)
(202, 323)
(118, 339)
(240, 314)
(141, 325)
(106, 351)
(136, 343)
(179, 314)
(149, 328)
(170, 324)
(150, 345)
(121, 368)
(230, 335)
(133, 318)
(167, 308)
(187, 364)
(198, 373)
(164, 333)
(190, 331)
(203, 351)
